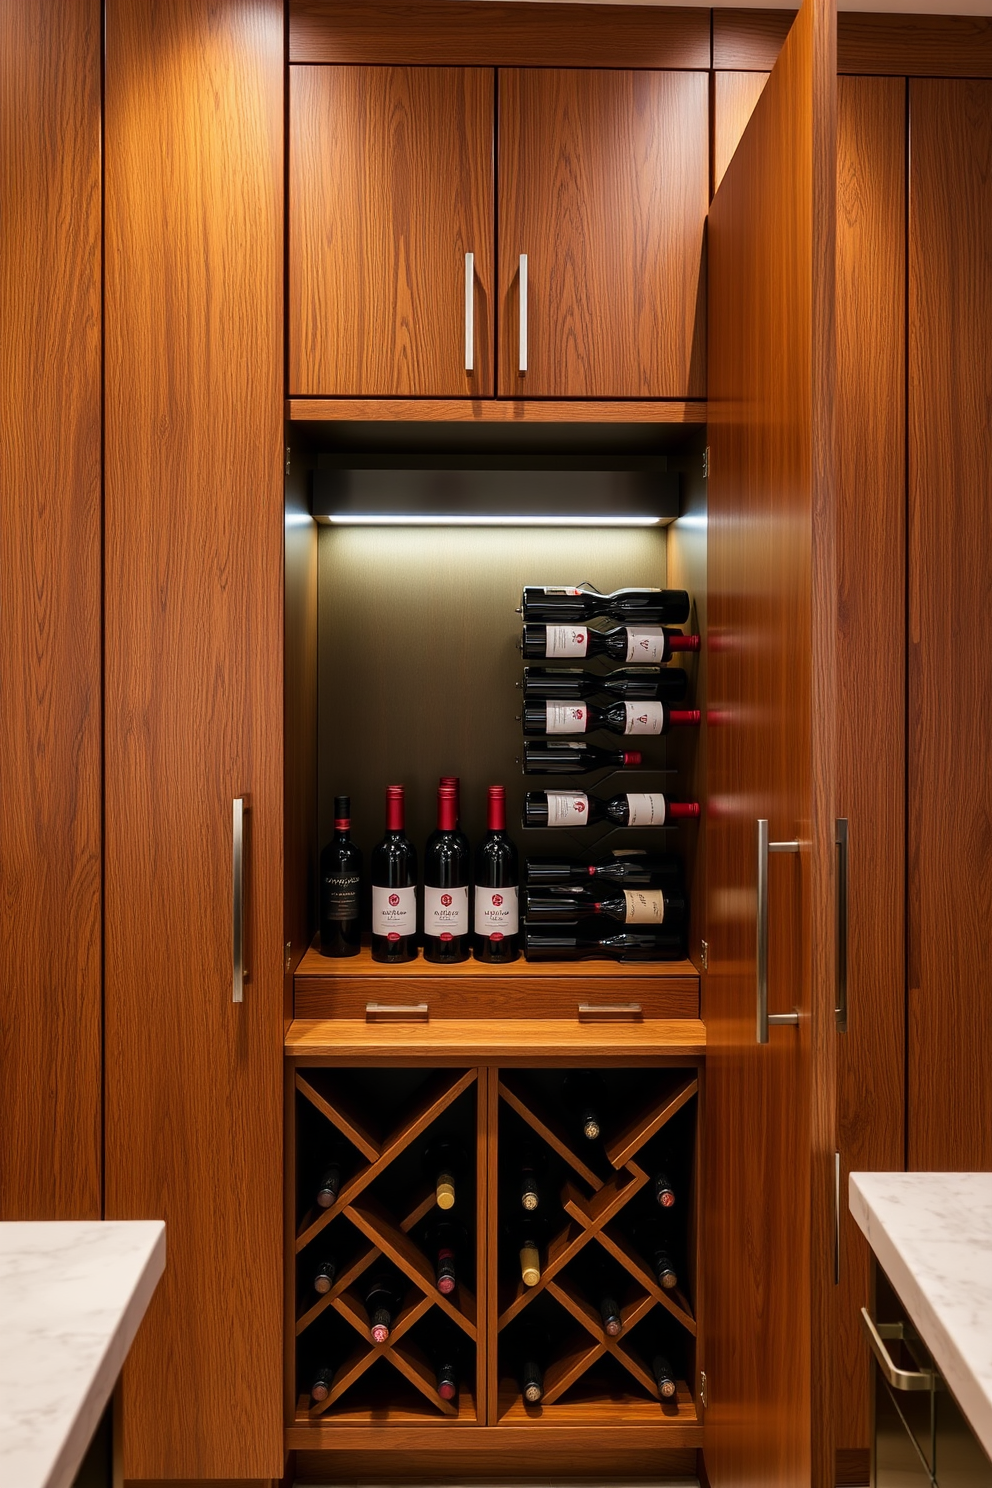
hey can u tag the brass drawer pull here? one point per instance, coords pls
(607, 1010)
(385, 1012)
(899, 1379)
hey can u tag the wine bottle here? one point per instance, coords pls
(446, 1242)
(651, 644)
(324, 1276)
(394, 887)
(557, 943)
(340, 888)
(532, 1358)
(455, 783)
(629, 906)
(576, 809)
(497, 876)
(551, 602)
(631, 867)
(652, 1236)
(382, 1303)
(545, 717)
(446, 1374)
(664, 1378)
(609, 1312)
(322, 1381)
(330, 1183)
(664, 1193)
(564, 758)
(530, 1253)
(444, 1163)
(446, 876)
(531, 1172)
(584, 1095)
(645, 684)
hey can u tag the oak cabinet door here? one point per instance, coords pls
(603, 187)
(390, 188)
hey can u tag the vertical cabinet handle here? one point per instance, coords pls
(523, 313)
(238, 901)
(842, 889)
(761, 955)
(470, 312)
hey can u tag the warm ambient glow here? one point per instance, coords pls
(388, 519)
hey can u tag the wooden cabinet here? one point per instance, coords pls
(390, 188)
(603, 180)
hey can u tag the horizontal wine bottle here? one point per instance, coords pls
(446, 1244)
(324, 1276)
(552, 602)
(330, 1183)
(647, 684)
(322, 1381)
(532, 1360)
(664, 1377)
(664, 1193)
(382, 1303)
(530, 1257)
(651, 644)
(557, 943)
(631, 867)
(545, 717)
(585, 1098)
(564, 758)
(630, 906)
(444, 1163)
(446, 1375)
(609, 1313)
(576, 809)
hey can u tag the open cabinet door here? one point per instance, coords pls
(772, 599)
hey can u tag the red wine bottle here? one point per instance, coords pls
(394, 887)
(324, 1276)
(340, 888)
(446, 1374)
(664, 1193)
(446, 881)
(630, 907)
(322, 1382)
(644, 643)
(557, 943)
(664, 1378)
(647, 684)
(619, 718)
(455, 783)
(382, 1303)
(446, 1244)
(576, 809)
(497, 876)
(630, 867)
(555, 602)
(609, 1313)
(561, 757)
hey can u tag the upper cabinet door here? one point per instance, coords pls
(390, 191)
(771, 581)
(603, 189)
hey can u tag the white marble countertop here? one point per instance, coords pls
(932, 1236)
(71, 1298)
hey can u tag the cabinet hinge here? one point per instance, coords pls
(702, 1389)
(704, 954)
(287, 459)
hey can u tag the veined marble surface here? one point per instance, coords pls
(71, 1298)
(932, 1236)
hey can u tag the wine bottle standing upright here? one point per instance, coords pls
(340, 888)
(454, 782)
(497, 878)
(394, 887)
(446, 885)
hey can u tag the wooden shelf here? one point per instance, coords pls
(498, 410)
(328, 988)
(617, 1410)
(495, 1041)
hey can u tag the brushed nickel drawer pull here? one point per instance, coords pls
(470, 312)
(607, 1010)
(761, 949)
(240, 973)
(899, 1379)
(522, 295)
(385, 1012)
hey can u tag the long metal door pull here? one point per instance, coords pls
(522, 287)
(238, 901)
(765, 1019)
(470, 312)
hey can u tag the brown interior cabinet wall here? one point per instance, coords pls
(950, 659)
(50, 562)
(871, 658)
(603, 185)
(194, 715)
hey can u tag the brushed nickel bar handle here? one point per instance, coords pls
(522, 360)
(608, 1010)
(238, 901)
(400, 1012)
(765, 1019)
(899, 1379)
(842, 921)
(470, 312)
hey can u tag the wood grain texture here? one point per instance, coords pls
(871, 673)
(603, 184)
(495, 1041)
(381, 1454)
(194, 709)
(50, 663)
(431, 32)
(767, 1271)
(390, 185)
(734, 97)
(950, 675)
(498, 410)
(893, 45)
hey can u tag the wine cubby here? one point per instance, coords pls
(597, 1228)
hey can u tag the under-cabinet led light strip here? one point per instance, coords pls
(391, 519)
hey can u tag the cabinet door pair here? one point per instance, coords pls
(437, 253)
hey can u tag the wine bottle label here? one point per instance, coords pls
(566, 718)
(565, 640)
(558, 589)
(497, 912)
(645, 906)
(567, 808)
(646, 811)
(646, 643)
(341, 896)
(446, 912)
(394, 912)
(644, 718)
